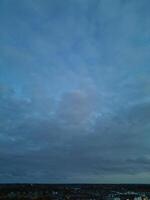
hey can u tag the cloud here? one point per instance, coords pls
(76, 107)
(46, 150)
(74, 103)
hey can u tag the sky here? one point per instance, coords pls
(74, 91)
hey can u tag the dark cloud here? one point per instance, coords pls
(45, 149)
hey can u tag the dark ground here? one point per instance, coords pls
(74, 191)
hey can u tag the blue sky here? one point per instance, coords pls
(74, 91)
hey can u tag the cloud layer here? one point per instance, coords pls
(74, 91)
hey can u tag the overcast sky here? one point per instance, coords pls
(75, 91)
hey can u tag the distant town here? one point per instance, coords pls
(74, 192)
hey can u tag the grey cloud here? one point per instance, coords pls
(46, 146)
(76, 107)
